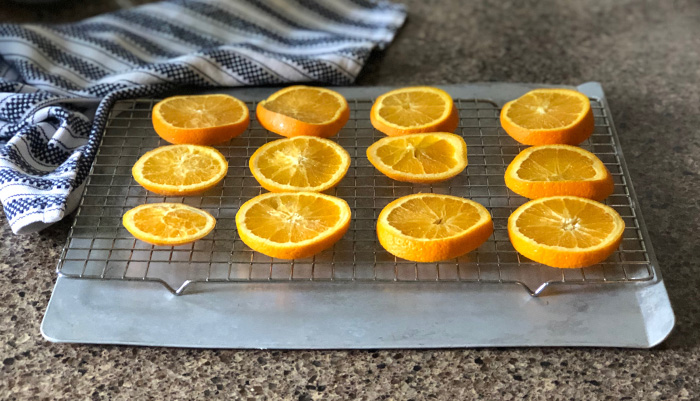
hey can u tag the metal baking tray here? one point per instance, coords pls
(356, 284)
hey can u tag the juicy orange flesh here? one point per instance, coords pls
(306, 104)
(556, 165)
(300, 163)
(181, 167)
(292, 218)
(169, 222)
(433, 218)
(418, 155)
(569, 224)
(412, 109)
(201, 111)
(545, 110)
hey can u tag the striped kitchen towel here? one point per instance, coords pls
(57, 82)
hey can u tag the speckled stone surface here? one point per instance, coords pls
(647, 56)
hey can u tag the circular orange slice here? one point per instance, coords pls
(200, 119)
(551, 170)
(304, 111)
(549, 116)
(432, 227)
(292, 225)
(302, 163)
(180, 169)
(168, 223)
(413, 110)
(565, 231)
(422, 158)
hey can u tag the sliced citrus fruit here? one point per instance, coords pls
(549, 116)
(304, 111)
(168, 223)
(424, 158)
(565, 231)
(551, 170)
(432, 227)
(414, 110)
(291, 225)
(180, 169)
(303, 163)
(200, 119)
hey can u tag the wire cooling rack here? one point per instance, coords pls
(98, 247)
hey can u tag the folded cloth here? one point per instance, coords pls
(57, 82)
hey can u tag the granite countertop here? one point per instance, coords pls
(647, 57)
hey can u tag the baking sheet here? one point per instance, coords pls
(375, 314)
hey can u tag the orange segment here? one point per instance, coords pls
(425, 158)
(550, 170)
(565, 231)
(180, 169)
(432, 227)
(304, 111)
(201, 119)
(291, 225)
(414, 110)
(302, 163)
(549, 116)
(168, 223)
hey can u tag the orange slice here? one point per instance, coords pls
(180, 169)
(303, 163)
(414, 110)
(304, 111)
(549, 116)
(168, 223)
(425, 158)
(292, 225)
(432, 227)
(551, 170)
(565, 231)
(201, 119)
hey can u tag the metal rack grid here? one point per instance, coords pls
(98, 247)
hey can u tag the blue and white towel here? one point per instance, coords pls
(57, 82)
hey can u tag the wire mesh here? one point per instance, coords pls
(99, 247)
